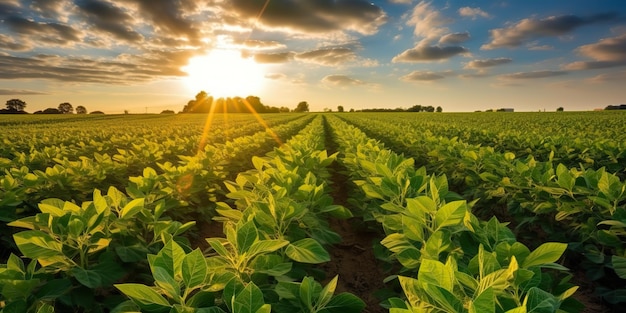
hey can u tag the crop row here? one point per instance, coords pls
(544, 200)
(594, 139)
(277, 230)
(451, 261)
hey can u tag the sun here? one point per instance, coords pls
(224, 73)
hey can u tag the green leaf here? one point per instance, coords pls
(344, 303)
(307, 287)
(266, 246)
(18, 289)
(307, 250)
(249, 300)
(53, 289)
(45, 308)
(35, 244)
(194, 270)
(166, 282)
(132, 208)
(619, 265)
(87, 278)
(539, 301)
(546, 253)
(145, 297)
(247, 234)
(327, 292)
(436, 273)
(485, 302)
(169, 258)
(450, 214)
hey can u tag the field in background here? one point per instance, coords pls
(467, 212)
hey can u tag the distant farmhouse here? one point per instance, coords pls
(616, 107)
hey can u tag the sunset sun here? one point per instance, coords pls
(224, 73)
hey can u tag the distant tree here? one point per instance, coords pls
(328, 110)
(81, 110)
(439, 109)
(51, 111)
(489, 110)
(559, 109)
(126, 112)
(351, 110)
(303, 106)
(15, 105)
(429, 108)
(284, 110)
(415, 108)
(168, 112)
(340, 108)
(66, 108)
(96, 112)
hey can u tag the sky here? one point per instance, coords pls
(153, 55)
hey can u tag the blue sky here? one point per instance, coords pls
(152, 55)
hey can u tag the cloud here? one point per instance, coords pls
(10, 43)
(169, 17)
(45, 32)
(606, 53)
(423, 53)
(532, 75)
(401, 1)
(429, 23)
(481, 64)
(613, 77)
(275, 76)
(424, 76)
(110, 19)
(124, 69)
(310, 17)
(528, 29)
(49, 8)
(281, 57)
(16, 92)
(328, 56)
(455, 38)
(341, 81)
(263, 44)
(474, 13)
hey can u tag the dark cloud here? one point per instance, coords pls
(528, 29)
(455, 38)
(341, 80)
(52, 33)
(533, 75)
(606, 53)
(125, 69)
(19, 92)
(10, 43)
(311, 16)
(422, 76)
(169, 17)
(423, 53)
(281, 57)
(479, 64)
(109, 18)
(328, 57)
(48, 8)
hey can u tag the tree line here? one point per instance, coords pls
(205, 103)
(17, 106)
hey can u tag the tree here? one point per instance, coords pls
(303, 106)
(559, 109)
(439, 109)
(81, 110)
(16, 105)
(66, 108)
(340, 108)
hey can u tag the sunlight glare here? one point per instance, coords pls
(224, 73)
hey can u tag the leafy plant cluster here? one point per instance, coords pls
(451, 260)
(544, 199)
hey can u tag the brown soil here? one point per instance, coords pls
(354, 261)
